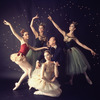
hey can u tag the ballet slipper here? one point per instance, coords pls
(89, 81)
(30, 88)
(38, 93)
(16, 86)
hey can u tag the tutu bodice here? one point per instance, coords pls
(24, 49)
(39, 43)
(70, 44)
(49, 71)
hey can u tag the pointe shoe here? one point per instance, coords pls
(29, 88)
(89, 81)
(38, 93)
(16, 86)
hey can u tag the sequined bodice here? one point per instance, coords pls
(69, 42)
(24, 49)
(39, 43)
(49, 71)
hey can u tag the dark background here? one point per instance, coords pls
(20, 12)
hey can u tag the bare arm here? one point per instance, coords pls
(56, 26)
(42, 71)
(13, 31)
(37, 49)
(32, 28)
(85, 47)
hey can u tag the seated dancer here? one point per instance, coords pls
(76, 62)
(19, 58)
(57, 53)
(44, 78)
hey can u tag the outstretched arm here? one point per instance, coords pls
(37, 49)
(56, 26)
(32, 28)
(85, 47)
(13, 31)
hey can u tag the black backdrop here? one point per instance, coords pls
(20, 12)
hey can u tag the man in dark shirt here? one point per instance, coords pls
(58, 57)
(55, 50)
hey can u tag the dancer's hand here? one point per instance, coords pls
(35, 17)
(53, 79)
(57, 64)
(49, 17)
(93, 53)
(6, 23)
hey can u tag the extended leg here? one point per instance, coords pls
(17, 84)
(87, 78)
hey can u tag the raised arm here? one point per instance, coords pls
(56, 26)
(84, 46)
(32, 28)
(13, 31)
(37, 49)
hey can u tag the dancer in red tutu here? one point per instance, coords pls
(19, 58)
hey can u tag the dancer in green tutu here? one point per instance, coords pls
(40, 40)
(76, 62)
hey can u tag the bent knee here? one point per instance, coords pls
(26, 72)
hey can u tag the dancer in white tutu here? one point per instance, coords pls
(44, 79)
(76, 62)
(19, 58)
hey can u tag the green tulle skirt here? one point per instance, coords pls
(32, 57)
(76, 62)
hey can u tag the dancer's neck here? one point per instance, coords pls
(48, 61)
(71, 33)
(53, 45)
(26, 40)
(41, 34)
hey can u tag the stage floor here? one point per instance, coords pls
(79, 91)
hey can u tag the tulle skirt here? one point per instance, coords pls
(17, 57)
(21, 60)
(76, 62)
(32, 57)
(39, 84)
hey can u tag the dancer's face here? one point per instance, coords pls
(47, 56)
(41, 29)
(26, 36)
(72, 27)
(52, 41)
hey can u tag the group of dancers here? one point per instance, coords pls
(41, 62)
